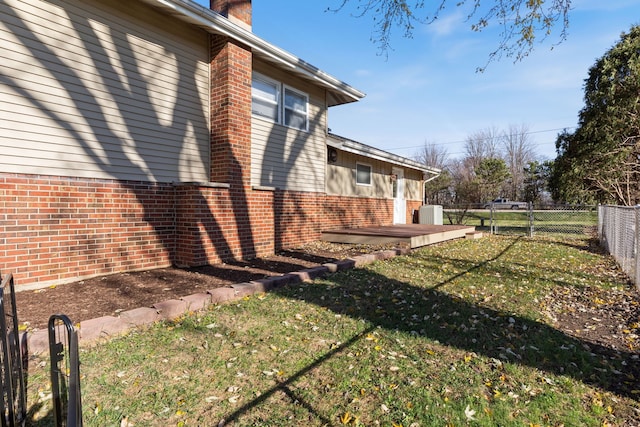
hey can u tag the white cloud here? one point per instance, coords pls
(447, 24)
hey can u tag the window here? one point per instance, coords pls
(363, 174)
(295, 109)
(265, 97)
(288, 107)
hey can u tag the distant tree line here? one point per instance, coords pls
(495, 164)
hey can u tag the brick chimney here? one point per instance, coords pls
(231, 69)
(237, 11)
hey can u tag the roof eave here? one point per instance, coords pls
(212, 22)
(356, 147)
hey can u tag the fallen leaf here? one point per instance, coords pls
(346, 418)
(469, 413)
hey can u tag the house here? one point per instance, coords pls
(364, 172)
(149, 133)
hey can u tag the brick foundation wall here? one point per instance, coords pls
(301, 217)
(413, 206)
(55, 230)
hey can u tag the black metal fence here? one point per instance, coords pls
(65, 365)
(13, 404)
(65, 371)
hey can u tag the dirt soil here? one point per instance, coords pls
(110, 295)
(608, 318)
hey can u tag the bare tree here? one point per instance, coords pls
(518, 152)
(522, 22)
(480, 145)
(432, 154)
(437, 190)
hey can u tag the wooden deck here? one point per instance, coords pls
(415, 235)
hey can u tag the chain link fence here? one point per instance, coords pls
(618, 233)
(566, 220)
(617, 227)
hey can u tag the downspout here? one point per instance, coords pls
(424, 191)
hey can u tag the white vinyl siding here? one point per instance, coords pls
(104, 90)
(288, 158)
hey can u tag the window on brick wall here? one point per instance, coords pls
(272, 100)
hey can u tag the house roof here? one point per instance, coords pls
(351, 146)
(214, 23)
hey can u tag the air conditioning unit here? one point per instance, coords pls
(430, 214)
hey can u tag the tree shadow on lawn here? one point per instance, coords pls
(451, 321)
(438, 316)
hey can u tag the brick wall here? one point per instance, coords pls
(413, 206)
(58, 229)
(231, 72)
(237, 11)
(301, 217)
(61, 229)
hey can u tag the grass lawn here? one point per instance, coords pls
(454, 334)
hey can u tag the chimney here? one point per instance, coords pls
(236, 11)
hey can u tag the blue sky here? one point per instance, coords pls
(426, 88)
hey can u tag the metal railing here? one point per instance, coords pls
(65, 372)
(65, 365)
(618, 228)
(13, 404)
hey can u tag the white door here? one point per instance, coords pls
(399, 202)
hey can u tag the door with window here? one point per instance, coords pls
(399, 202)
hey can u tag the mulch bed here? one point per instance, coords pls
(109, 295)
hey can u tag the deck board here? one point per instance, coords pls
(415, 235)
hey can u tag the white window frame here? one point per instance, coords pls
(276, 84)
(281, 108)
(367, 184)
(285, 108)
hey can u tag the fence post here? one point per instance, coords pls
(636, 247)
(493, 228)
(64, 372)
(13, 400)
(531, 219)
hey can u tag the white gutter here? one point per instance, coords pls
(215, 23)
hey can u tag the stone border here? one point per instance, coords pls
(93, 331)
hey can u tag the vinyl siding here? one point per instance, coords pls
(341, 179)
(288, 158)
(413, 184)
(104, 90)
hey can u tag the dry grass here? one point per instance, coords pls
(456, 334)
